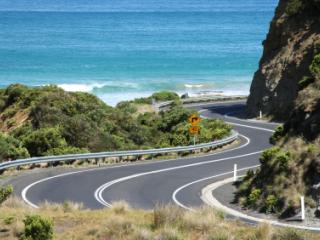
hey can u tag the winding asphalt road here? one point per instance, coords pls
(145, 184)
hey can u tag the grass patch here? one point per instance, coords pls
(122, 222)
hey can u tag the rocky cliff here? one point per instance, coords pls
(290, 47)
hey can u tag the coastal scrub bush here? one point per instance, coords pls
(11, 148)
(14, 93)
(37, 228)
(315, 66)
(278, 133)
(127, 107)
(5, 193)
(169, 119)
(162, 96)
(271, 203)
(267, 155)
(293, 7)
(42, 140)
(253, 197)
(283, 159)
(165, 96)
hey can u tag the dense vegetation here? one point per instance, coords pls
(49, 121)
(292, 167)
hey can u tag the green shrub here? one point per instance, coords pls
(293, 7)
(8, 220)
(65, 150)
(165, 96)
(253, 197)
(279, 132)
(127, 107)
(41, 141)
(315, 66)
(11, 148)
(5, 193)
(283, 159)
(37, 228)
(271, 203)
(267, 155)
(14, 93)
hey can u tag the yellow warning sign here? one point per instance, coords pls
(194, 130)
(194, 120)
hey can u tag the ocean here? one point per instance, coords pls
(122, 49)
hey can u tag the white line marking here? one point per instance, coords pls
(174, 194)
(247, 126)
(99, 191)
(27, 188)
(243, 125)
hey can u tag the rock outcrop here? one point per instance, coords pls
(290, 47)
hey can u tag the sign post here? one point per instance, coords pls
(194, 120)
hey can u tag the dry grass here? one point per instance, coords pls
(168, 222)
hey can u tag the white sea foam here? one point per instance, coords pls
(113, 92)
(193, 85)
(78, 87)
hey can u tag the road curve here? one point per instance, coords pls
(145, 184)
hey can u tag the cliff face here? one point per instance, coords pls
(290, 47)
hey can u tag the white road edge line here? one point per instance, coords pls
(209, 199)
(241, 125)
(99, 191)
(27, 188)
(259, 128)
(174, 194)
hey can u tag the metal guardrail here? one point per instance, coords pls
(195, 100)
(70, 157)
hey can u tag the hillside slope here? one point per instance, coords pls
(50, 121)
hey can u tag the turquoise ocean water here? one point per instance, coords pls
(121, 49)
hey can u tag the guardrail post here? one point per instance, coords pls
(235, 167)
(303, 212)
(260, 114)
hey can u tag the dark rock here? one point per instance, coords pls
(184, 96)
